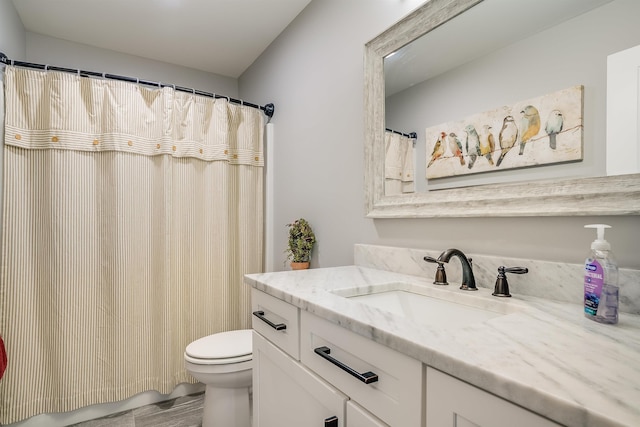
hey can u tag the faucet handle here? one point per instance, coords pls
(441, 274)
(502, 286)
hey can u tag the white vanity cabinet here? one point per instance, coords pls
(357, 416)
(311, 372)
(454, 403)
(277, 321)
(287, 393)
(348, 361)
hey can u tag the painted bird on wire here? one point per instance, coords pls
(507, 137)
(473, 144)
(554, 127)
(438, 149)
(487, 143)
(529, 125)
(455, 146)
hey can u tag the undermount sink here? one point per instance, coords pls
(449, 308)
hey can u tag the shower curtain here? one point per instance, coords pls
(130, 216)
(398, 166)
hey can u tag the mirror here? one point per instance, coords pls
(578, 188)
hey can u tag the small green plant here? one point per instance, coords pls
(301, 241)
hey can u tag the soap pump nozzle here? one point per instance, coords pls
(599, 244)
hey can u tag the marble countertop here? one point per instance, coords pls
(543, 355)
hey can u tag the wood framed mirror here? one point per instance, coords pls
(559, 196)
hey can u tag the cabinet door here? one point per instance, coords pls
(357, 416)
(285, 394)
(454, 403)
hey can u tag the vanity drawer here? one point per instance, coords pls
(395, 397)
(277, 321)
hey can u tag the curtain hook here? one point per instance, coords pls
(78, 71)
(193, 91)
(242, 103)
(160, 85)
(46, 67)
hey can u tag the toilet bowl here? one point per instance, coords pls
(223, 362)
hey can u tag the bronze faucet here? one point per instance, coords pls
(468, 280)
(502, 286)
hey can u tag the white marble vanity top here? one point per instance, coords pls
(546, 356)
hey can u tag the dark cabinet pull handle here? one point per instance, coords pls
(331, 422)
(366, 377)
(277, 326)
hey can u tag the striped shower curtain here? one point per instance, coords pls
(398, 164)
(130, 216)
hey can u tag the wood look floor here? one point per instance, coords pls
(183, 411)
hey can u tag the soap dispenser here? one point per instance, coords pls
(601, 290)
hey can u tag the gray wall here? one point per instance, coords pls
(314, 74)
(49, 50)
(12, 37)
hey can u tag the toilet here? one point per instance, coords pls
(222, 362)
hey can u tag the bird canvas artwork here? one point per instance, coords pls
(535, 132)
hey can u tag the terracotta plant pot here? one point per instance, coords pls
(300, 265)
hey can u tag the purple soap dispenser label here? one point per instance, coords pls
(593, 282)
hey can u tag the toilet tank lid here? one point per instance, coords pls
(222, 345)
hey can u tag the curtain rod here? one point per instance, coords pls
(411, 135)
(268, 109)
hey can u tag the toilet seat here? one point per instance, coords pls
(223, 363)
(221, 348)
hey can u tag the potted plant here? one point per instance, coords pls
(301, 241)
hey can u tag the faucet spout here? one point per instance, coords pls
(468, 279)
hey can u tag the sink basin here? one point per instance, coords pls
(449, 308)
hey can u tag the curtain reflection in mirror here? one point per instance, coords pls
(399, 163)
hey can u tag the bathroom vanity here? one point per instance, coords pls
(360, 346)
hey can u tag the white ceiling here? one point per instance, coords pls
(219, 36)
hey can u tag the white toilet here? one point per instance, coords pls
(222, 362)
